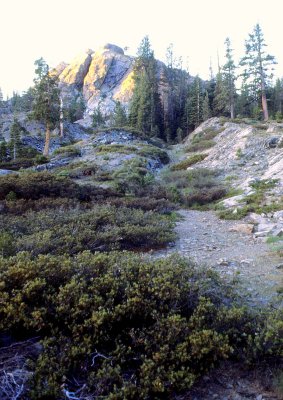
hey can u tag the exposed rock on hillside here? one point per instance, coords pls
(111, 150)
(247, 156)
(33, 132)
(248, 151)
(102, 77)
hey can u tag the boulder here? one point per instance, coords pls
(242, 228)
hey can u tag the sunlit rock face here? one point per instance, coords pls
(101, 77)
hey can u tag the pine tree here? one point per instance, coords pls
(229, 75)
(15, 139)
(3, 151)
(206, 107)
(98, 119)
(277, 99)
(145, 109)
(220, 100)
(176, 82)
(193, 114)
(46, 105)
(256, 64)
(119, 115)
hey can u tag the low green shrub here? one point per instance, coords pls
(126, 327)
(188, 162)
(115, 148)
(201, 197)
(194, 188)
(148, 151)
(200, 145)
(35, 185)
(132, 176)
(101, 227)
(17, 164)
(70, 151)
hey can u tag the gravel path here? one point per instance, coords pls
(206, 239)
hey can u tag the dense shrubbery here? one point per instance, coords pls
(197, 187)
(103, 227)
(70, 151)
(15, 165)
(203, 140)
(35, 185)
(154, 152)
(126, 327)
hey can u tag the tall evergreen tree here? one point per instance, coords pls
(15, 139)
(46, 105)
(277, 99)
(257, 65)
(193, 114)
(206, 107)
(98, 120)
(145, 108)
(119, 115)
(3, 151)
(220, 100)
(176, 82)
(229, 75)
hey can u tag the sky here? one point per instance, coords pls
(58, 30)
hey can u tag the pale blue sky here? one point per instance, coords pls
(58, 30)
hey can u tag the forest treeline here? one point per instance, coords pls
(167, 101)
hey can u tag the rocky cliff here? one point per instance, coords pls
(102, 77)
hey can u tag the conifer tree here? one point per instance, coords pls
(257, 65)
(206, 107)
(98, 120)
(220, 100)
(3, 151)
(277, 99)
(229, 75)
(193, 114)
(119, 115)
(145, 108)
(15, 139)
(46, 105)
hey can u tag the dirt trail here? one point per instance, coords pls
(209, 240)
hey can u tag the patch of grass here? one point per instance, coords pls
(261, 126)
(19, 163)
(68, 151)
(264, 184)
(200, 145)
(274, 239)
(154, 152)
(195, 188)
(239, 153)
(188, 162)
(231, 178)
(115, 148)
(255, 202)
(203, 140)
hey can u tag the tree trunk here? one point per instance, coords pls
(61, 118)
(264, 105)
(47, 140)
(232, 111)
